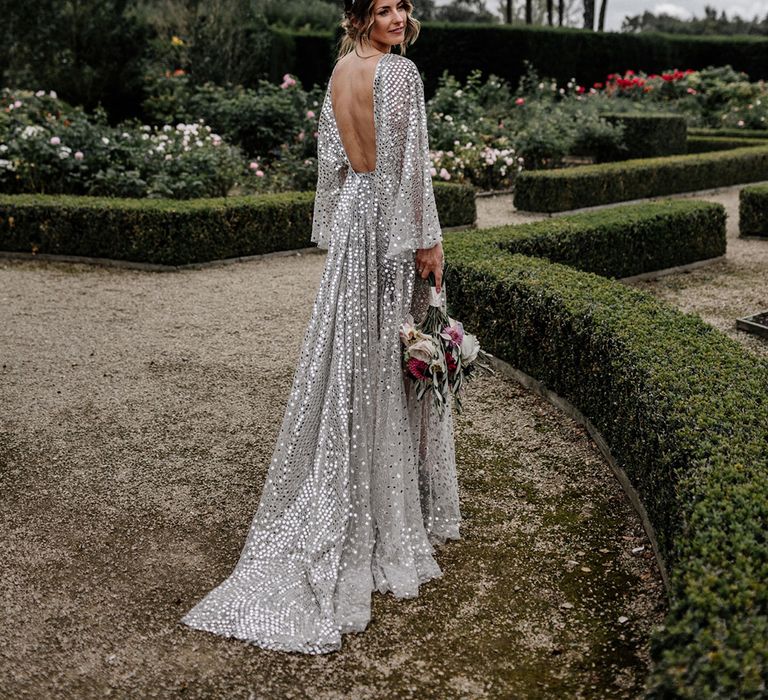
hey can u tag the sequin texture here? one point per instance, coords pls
(362, 482)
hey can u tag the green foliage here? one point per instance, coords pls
(89, 51)
(706, 144)
(683, 409)
(590, 185)
(647, 136)
(258, 120)
(456, 204)
(163, 232)
(753, 211)
(47, 146)
(173, 232)
(620, 241)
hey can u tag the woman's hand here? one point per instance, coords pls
(431, 260)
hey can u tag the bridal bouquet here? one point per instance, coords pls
(439, 355)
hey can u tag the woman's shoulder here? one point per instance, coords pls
(400, 67)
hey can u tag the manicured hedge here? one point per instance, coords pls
(502, 49)
(605, 183)
(684, 410)
(753, 211)
(735, 133)
(175, 232)
(707, 144)
(455, 204)
(621, 241)
(650, 135)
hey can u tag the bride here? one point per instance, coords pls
(362, 482)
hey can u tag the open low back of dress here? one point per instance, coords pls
(352, 104)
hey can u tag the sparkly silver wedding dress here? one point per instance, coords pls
(362, 481)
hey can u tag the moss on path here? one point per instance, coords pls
(139, 415)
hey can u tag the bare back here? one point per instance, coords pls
(352, 104)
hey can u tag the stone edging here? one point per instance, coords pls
(569, 409)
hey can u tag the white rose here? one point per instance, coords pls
(423, 350)
(469, 349)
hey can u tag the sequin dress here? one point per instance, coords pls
(362, 482)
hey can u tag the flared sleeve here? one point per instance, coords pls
(331, 173)
(414, 223)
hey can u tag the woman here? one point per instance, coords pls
(362, 481)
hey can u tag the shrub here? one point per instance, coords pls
(171, 232)
(647, 135)
(590, 185)
(165, 232)
(620, 241)
(706, 144)
(684, 411)
(753, 211)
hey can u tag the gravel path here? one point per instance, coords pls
(139, 414)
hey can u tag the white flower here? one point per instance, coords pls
(3, 148)
(40, 93)
(469, 349)
(55, 140)
(53, 94)
(79, 155)
(448, 118)
(5, 164)
(168, 156)
(167, 127)
(104, 140)
(423, 350)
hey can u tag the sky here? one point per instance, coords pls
(618, 9)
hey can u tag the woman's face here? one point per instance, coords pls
(389, 23)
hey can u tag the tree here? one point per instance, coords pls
(601, 19)
(589, 14)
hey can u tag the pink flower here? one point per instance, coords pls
(310, 114)
(17, 104)
(691, 91)
(259, 173)
(78, 155)
(520, 101)
(288, 81)
(432, 172)
(301, 135)
(445, 174)
(55, 140)
(417, 368)
(253, 165)
(454, 333)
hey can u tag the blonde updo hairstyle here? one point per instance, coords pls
(361, 13)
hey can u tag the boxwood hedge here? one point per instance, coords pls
(706, 144)
(621, 241)
(684, 410)
(605, 183)
(753, 211)
(176, 232)
(650, 135)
